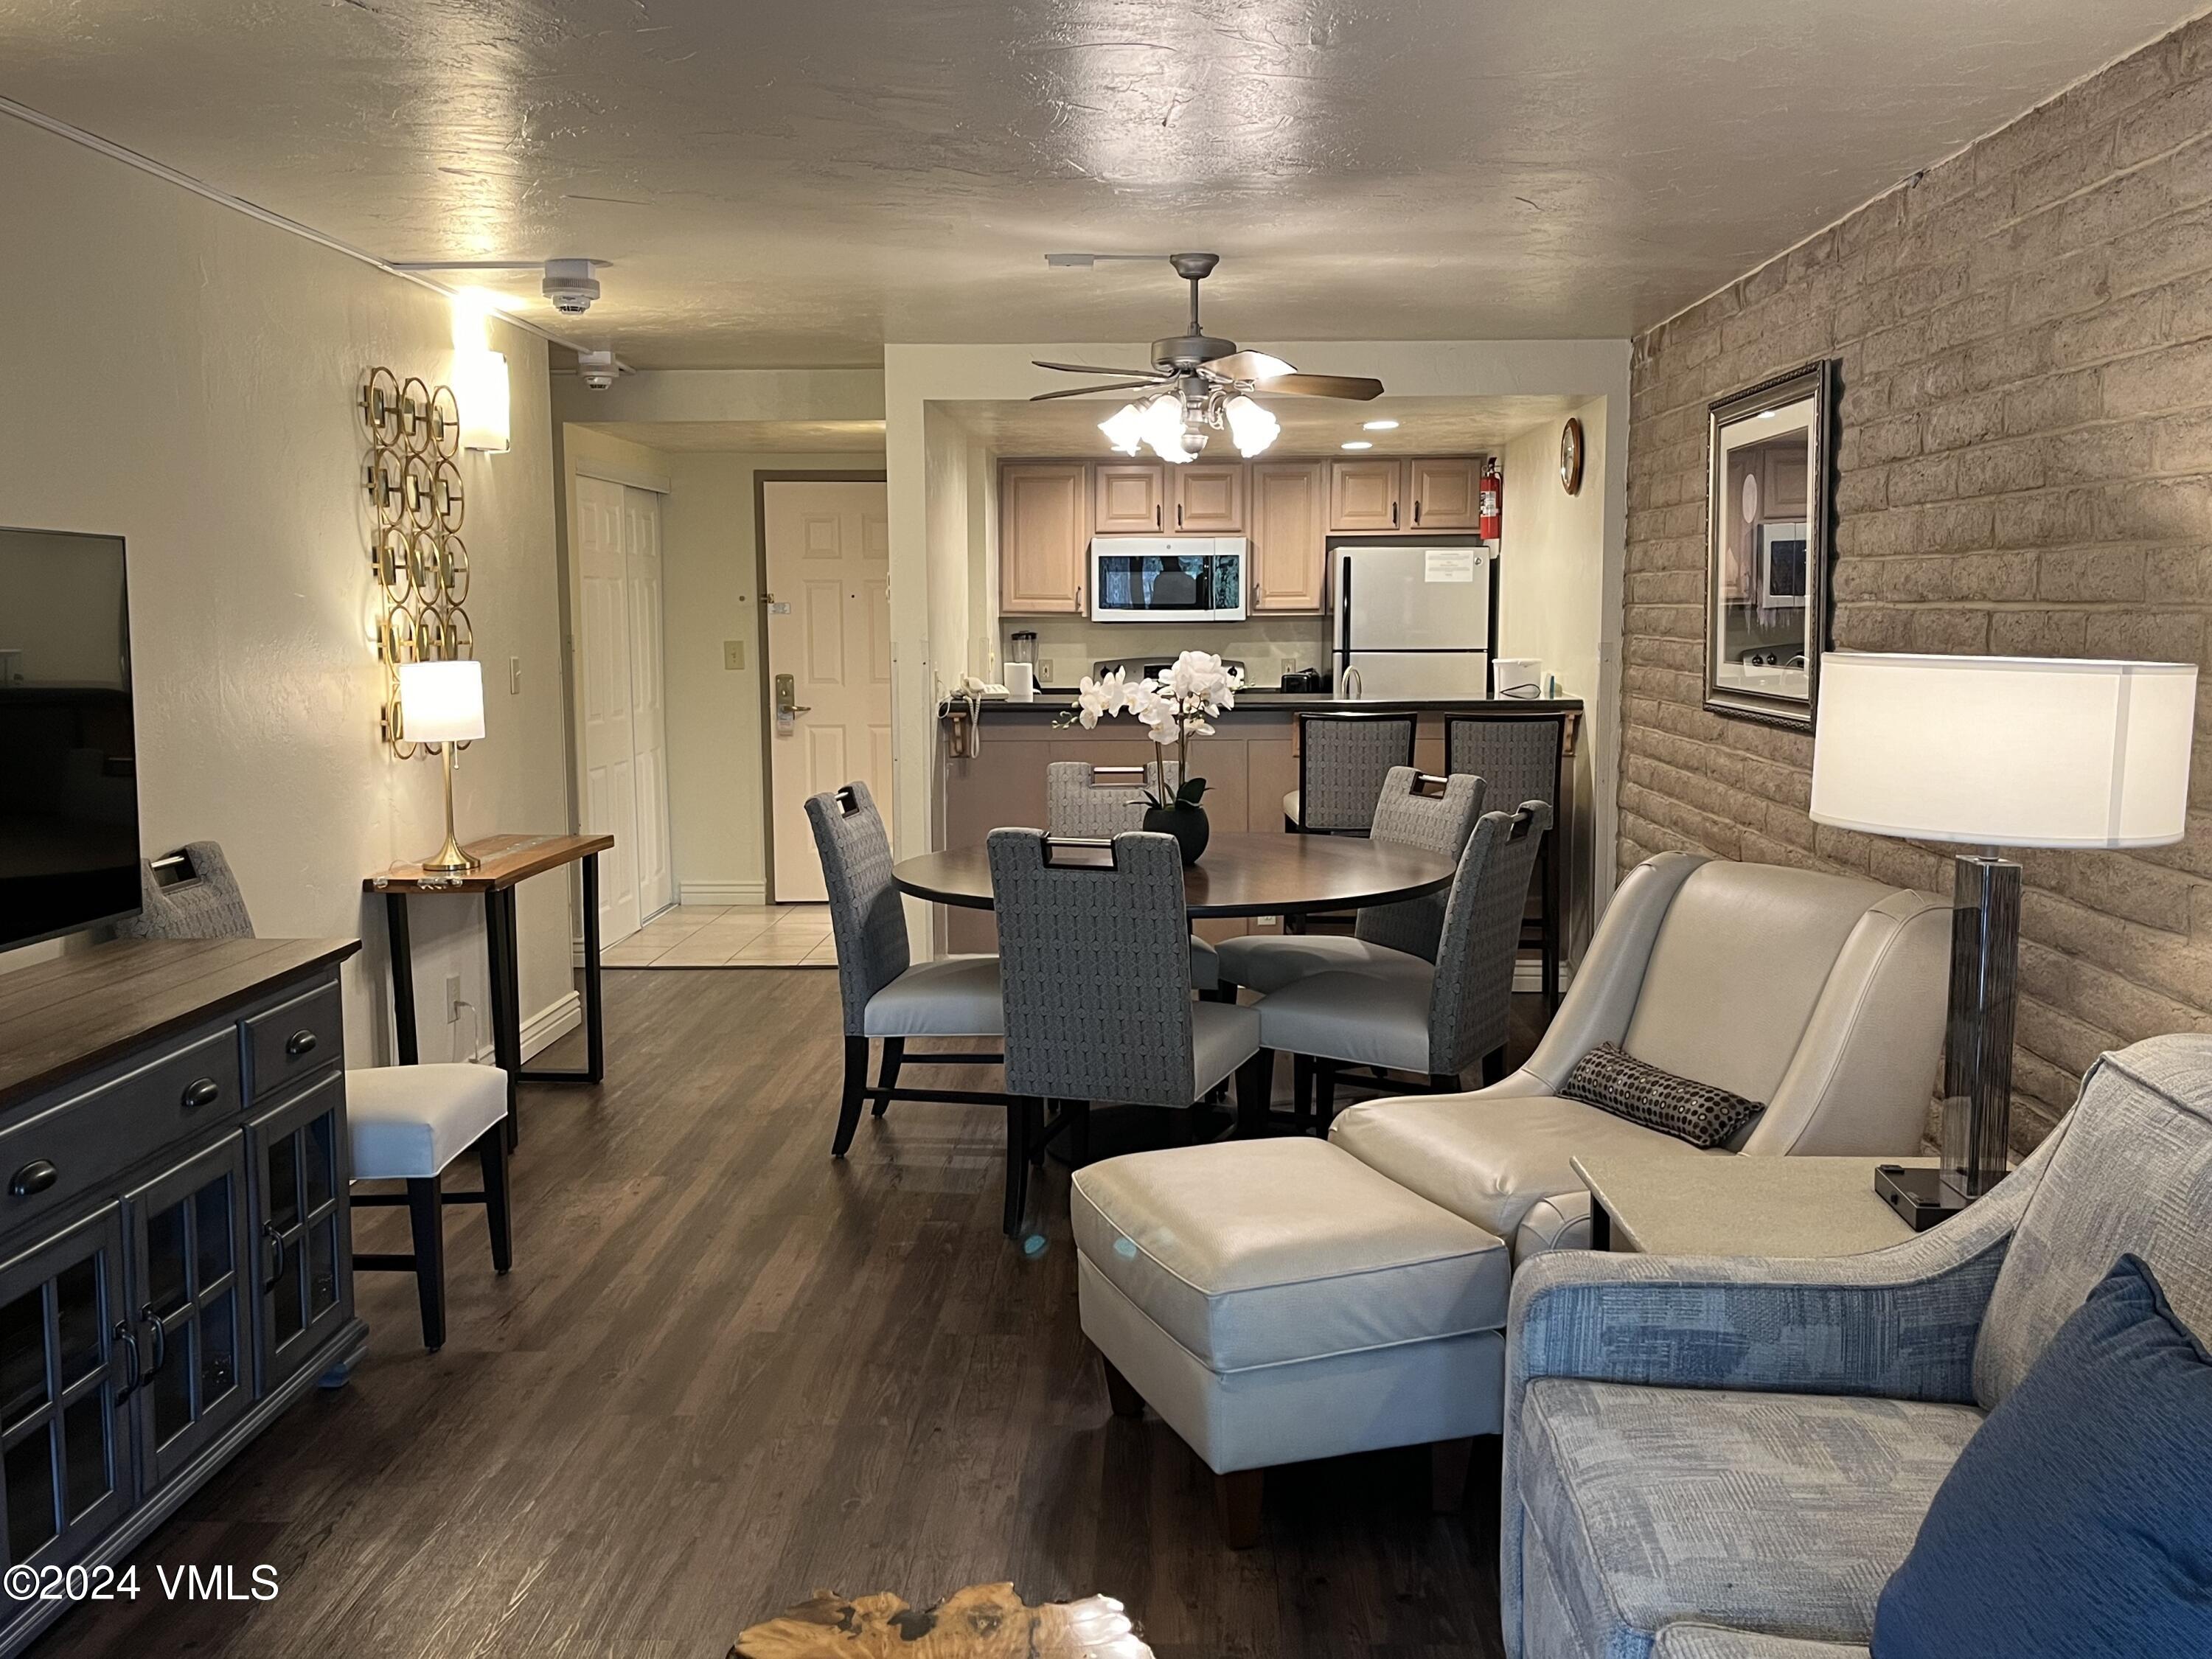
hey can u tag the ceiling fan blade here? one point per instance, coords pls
(1357, 386)
(1085, 390)
(1089, 369)
(1254, 365)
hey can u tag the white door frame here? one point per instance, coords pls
(764, 680)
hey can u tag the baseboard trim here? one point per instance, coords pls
(564, 1014)
(722, 892)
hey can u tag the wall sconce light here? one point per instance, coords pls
(480, 383)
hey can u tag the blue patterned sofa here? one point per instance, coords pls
(1727, 1458)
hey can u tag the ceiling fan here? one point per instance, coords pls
(1201, 383)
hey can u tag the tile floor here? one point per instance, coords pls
(741, 936)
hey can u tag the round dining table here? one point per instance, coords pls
(1239, 875)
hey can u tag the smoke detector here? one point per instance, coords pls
(570, 285)
(598, 368)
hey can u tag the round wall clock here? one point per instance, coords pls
(1571, 457)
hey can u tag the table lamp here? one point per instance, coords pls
(442, 702)
(1997, 751)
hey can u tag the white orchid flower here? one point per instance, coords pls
(1107, 695)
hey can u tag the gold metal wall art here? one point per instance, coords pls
(417, 503)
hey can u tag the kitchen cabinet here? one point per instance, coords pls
(1446, 492)
(1288, 537)
(1363, 495)
(1132, 498)
(1209, 500)
(1044, 535)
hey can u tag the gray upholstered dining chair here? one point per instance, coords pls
(1343, 757)
(1093, 938)
(1102, 801)
(1434, 814)
(1431, 1021)
(404, 1123)
(1521, 756)
(885, 995)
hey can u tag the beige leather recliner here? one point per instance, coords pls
(1821, 996)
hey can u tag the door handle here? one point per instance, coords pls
(270, 1234)
(787, 697)
(33, 1177)
(300, 1042)
(1156, 515)
(128, 1339)
(1417, 510)
(1078, 599)
(160, 1339)
(1178, 515)
(204, 1092)
(1393, 515)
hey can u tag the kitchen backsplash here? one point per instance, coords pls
(1267, 646)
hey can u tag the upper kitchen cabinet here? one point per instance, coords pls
(1044, 533)
(1363, 495)
(1446, 492)
(1132, 498)
(1289, 536)
(1209, 500)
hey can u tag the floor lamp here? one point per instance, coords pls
(1997, 752)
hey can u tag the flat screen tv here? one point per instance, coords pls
(69, 782)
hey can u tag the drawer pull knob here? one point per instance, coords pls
(33, 1177)
(300, 1042)
(204, 1092)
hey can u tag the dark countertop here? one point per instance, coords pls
(1051, 704)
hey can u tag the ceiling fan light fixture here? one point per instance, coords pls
(1125, 429)
(1164, 428)
(1251, 428)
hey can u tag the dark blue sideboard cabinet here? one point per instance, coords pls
(176, 1265)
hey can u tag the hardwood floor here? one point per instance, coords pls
(727, 1371)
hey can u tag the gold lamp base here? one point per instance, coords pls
(452, 858)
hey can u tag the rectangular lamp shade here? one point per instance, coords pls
(480, 387)
(2004, 751)
(442, 702)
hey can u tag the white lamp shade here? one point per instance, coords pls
(480, 388)
(2004, 751)
(442, 702)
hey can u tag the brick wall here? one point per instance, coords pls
(2025, 467)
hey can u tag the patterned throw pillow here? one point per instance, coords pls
(1696, 1112)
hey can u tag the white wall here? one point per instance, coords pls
(1552, 604)
(183, 375)
(709, 566)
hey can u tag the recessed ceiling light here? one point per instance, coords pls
(1356, 443)
(1378, 426)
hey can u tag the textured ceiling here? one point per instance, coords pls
(1311, 426)
(796, 183)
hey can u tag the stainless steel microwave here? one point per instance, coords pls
(1167, 578)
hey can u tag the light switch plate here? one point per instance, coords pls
(733, 654)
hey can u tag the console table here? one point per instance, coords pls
(176, 1250)
(506, 861)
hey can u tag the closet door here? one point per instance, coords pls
(609, 761)
(656, 879)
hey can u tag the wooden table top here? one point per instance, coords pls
(506, 859)
(1721, 1204)
(1238, 875)
(61, 1018)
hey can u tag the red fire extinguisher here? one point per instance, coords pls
(1493, 498)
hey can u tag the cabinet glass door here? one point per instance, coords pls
(66, 1367)
(302, 1235)
(187, 1242)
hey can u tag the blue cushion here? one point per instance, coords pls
(2076, 1520)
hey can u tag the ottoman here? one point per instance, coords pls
(1276, 1300)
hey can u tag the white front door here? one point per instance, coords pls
(828, 554)
(652, 866)
(610, 803)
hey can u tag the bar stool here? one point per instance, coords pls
(1519, 755)
(410, 1123)
(1343, 758)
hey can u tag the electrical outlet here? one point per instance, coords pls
(515, 677)
(453, 999)
(1044, 672)
(733, 654)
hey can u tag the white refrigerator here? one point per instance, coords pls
(1413, 620)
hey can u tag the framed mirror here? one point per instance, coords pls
(1769, 546)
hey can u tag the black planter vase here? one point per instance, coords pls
(1186, 822)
